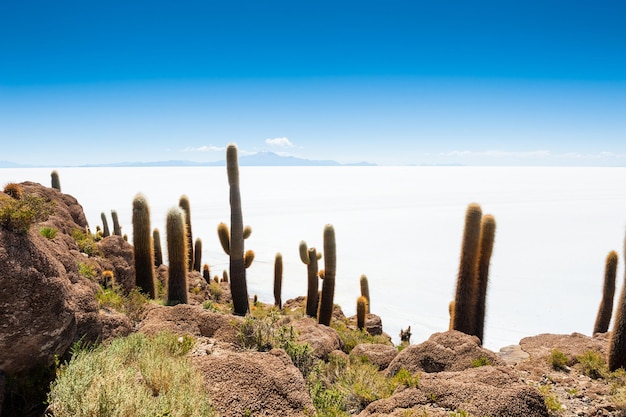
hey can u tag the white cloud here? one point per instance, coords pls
(282, 142)
(205, 148)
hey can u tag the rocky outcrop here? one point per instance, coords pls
(446, 351)
(117, 256)
(323, 339)
(254, 383)
(379, 355)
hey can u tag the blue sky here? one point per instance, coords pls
(396, 82)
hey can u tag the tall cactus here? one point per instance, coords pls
(310, 258)
(278, 280)
(325, 312)
(105, 225)
(183, 203)
(608, 292)
(233, 245)
(617, 343)
(197, 255)
(464, 319)
(56, 183)
(176, 231)
(487, 236)
(361, 312)
(365, 290)
(158, 251)
(142, 242)
(117, 229)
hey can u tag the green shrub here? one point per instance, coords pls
(135, 376)
(85, 270)
(48, 232)
(404, 377)
(18, 215)
(593, 365)
(86, 241)
(551, 400)
(558, 360)
(482, 361)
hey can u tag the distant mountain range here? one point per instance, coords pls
(264, 158)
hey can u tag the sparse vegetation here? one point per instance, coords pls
(86, 270)
(353, 336)
(558, 360)
(552, 401)
(86, 241)
(593, 365)
(48, 232)
(17, 215)
(134, 376)
(482, 361)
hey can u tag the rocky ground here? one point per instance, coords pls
(48, 303)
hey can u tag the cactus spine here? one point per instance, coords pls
(56, 183)
(365, 290)
(142, 242)
(105, 225)
(617, 343)
(325, 312)
(238, 283)
(361, 312)
(278, 280)
(464, 302)
(183, 203)
(158, 251)
(608, 292)
(117, 229)
(197, 255)
(310, 258)
(176, 233)
(487, 236)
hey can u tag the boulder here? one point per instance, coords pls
(446, 351)
(254, 383)
(323, 339)
(379, 355)
(118, 257)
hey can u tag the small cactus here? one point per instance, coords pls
(197, 255)
(108, 279)
(14, 191)
(142, 242)
(176, 232)
(278, 280)
(310, 258)
(361, 312)
(183, 203)
(158, 251)
(117, 229)
(608, 292)
(105, 225)
(56, 183)
(365, 290)
(405, 335)
(206, 273)
(325, 312)
(464, 302)
(225, 276)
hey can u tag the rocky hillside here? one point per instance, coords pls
(53, 280)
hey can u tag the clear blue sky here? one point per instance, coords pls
(394, 82)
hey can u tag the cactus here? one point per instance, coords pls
(206, 273)
(248, 258)
(108, 278)
(365, 290)
(14, 191)
(197, 255)
(183, 203)
(117, 229)
(105, 225)
(176, 233)
(464, 302)
(451, 313)
(405, 335)
(617, 343)
(158, 251)
(608, 292)
(361, 312)
(325, 312)
(142, 242)
(232, 242)
(310, 258)
(487, 236)
(278, 280)
(56, 183)
(225, 276)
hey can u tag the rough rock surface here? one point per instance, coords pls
(190, 319)
(118, 257)
(254, 383)
(323, 339)
(446, 351)
(379, 355)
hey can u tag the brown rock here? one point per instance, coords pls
(323, 339)
(254, 383)
(118, 257)
(446, 351)
(115, 325)
(190, 319)
(484, 391)
(379, 355)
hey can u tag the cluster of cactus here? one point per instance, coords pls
(326, 304)
(310, 258)
(468, 309)
(176, 234)
(142, 242)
